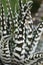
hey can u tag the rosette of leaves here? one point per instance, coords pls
(19, 39)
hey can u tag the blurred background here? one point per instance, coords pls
(36, 11)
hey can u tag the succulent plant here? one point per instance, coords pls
(18, 38)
